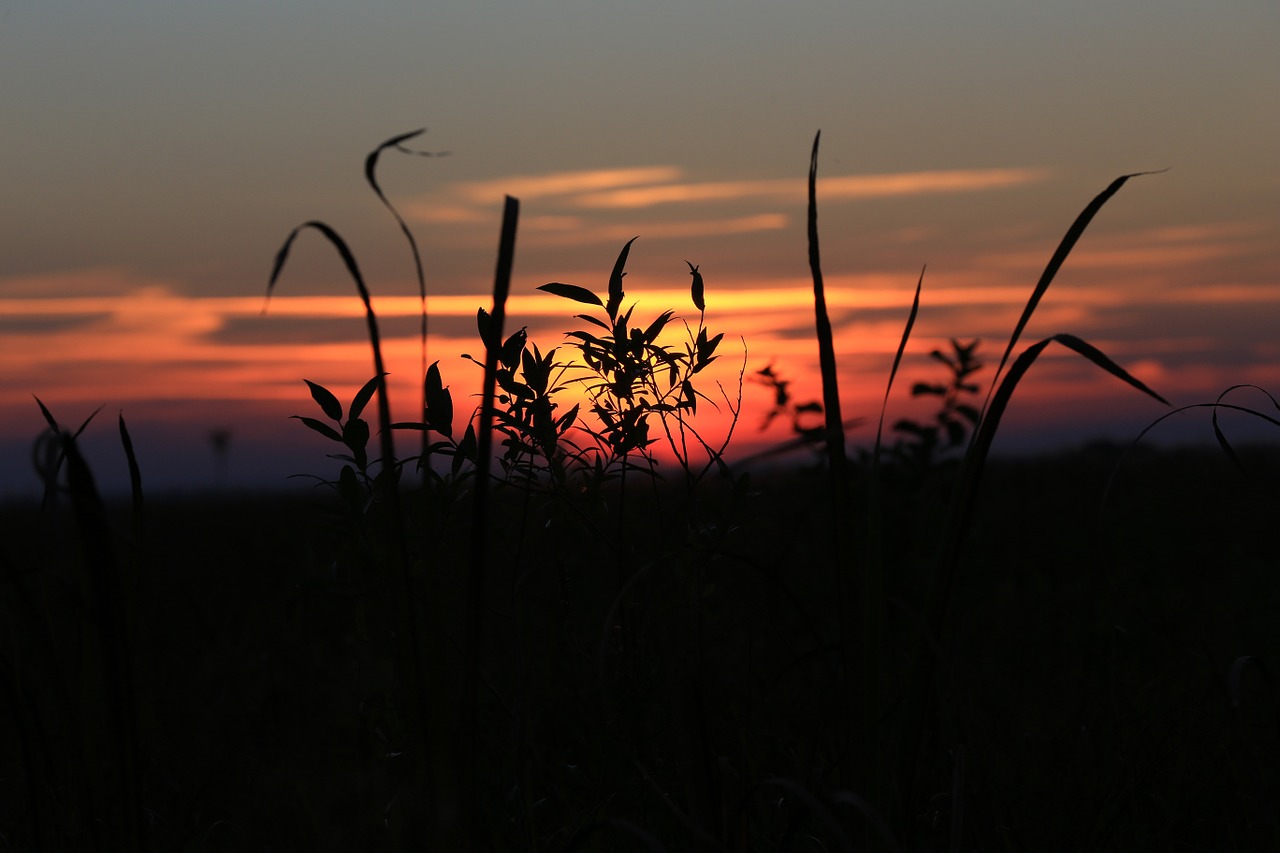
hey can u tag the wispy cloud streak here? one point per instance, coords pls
(564, 193)
(836, 188)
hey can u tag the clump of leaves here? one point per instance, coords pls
(923, 443)
(630, 375)
(806, 418)
(525, 411)
(355, 483)
(631, 378)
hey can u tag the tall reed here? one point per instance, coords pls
(111, 743)
(410, 671)
(481, 527)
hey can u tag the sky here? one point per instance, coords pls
(156, 155)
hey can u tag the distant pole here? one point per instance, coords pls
(220, 441)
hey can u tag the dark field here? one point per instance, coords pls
(660, 673)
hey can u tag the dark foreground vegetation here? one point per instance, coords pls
(528, 635)
(1109, 686)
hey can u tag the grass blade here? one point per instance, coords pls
(1065, 246)
(959, 513)
(1222, 437)
(873, 599)
(1096, 356)
(826, 345)
(852, 666)
(135, 480)
(472, 811)
(897, 361)
(975, 460)
(371, 176)
(371, 321)
(109, 605)
(410, 672)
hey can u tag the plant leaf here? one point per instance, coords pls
(697, 289)
(363, 396)
(328, 403)
(1096, 355)
(135, 473)
(656, 327)
(615, 280)
(1055, 263)
(484, 325)
(355, 435)
(511, 349)
(439, 414)
(320, 427)
(897, 360)
(572, 291)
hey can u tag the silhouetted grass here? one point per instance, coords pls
(545, 645)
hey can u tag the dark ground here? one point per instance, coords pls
(1114, 631)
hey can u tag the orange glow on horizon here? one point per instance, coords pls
(99, 336)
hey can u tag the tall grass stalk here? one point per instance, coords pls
(114, 740)
(925, 681)
(371, 177)
(480, 526)
(842, 564)
(409, 669)
(871, 728)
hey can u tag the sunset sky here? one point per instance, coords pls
(156, 155)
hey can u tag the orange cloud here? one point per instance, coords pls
(562, 183)
(833, 188)
(668, 230)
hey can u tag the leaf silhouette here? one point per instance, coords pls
(328, 403)
(571, 291)
(615, 280)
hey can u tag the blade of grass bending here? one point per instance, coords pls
(960, 512)
(371, 176)
(108, 605)
(51, 484)
(371, 321)
(1222, 436)
(472, 811)
(1065, 246)
(1214, 407)
(975, 460)
(412, 684)
(135, 480)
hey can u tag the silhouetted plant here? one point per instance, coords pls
(922, 443)
(355, 484)
(632, 376)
